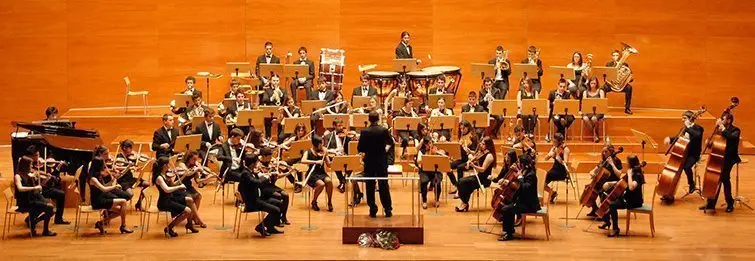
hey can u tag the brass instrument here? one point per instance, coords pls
(277, 96)
(502, 64)
(489, 96)
(624, 73)
(588, 66)
(197, 111)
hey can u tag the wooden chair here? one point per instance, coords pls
(130, 93)
(84, 207)
(543, 212)
(151, 208)
(10, 210)
(240, 212)
(645, 209)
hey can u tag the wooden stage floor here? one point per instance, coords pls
(683, 233)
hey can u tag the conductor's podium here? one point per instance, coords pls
(409, 230)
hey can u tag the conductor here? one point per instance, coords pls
(375, 142)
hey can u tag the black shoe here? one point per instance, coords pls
(373, 214)
(357, 200)
(692, 189)
(452, 191)
(605, 226)
(628, 111)
(48, 233)
(124, 230)
(330, 207)
(341, 188)
(169, 232)
(553, 197)
(592, 214)
(26, 221)
(297, 188)
(190, 228)
(62, 222)
(314, 206)
(273, 230)
(706, 207)
(99, 226)
(261, 229)
(506, 237)
(465, 209)
(285, 221)
(388, 214)
(547, 138)
(614, 234)
(729, 208)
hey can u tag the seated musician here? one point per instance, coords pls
(316, 176)
(521, 141)
(441, 110)
(502, 70)
(488, 93)
(591, 119)
(234, 89)
(559, 171)
(267, 58)
(273, 96)
(290, 110)
(337, 143)
(526, 199)
(440, 86)
(164, 138)
(631, 198)
(427, 147)
(231, 153)
(364, 90)
(271, 171)
(341, 108)
(322, 93)
(406, 135)
(402, 91)
(300, 133)
(189, 82)
(127, 180)
(190, 170)
(210, 131)
(615, 56)
(186, 114)
(473, 106)
(172, 198)
(230, 114)
(533, 57)
(725, 126)
(102, 196)
(561, 121)
(304, 81)
(509, 160)
(422, 132)
(483, 163)
(250, 188)
(694, 133)
(576, 85)
(468, 146)
(51, 182)
(613, 166)
(529, 120)
(29, 198)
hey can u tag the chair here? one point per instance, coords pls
(645, 209)
(10, 210)
(130, 93)
(83, 207)
(238, 213)
(543, 212)
(151, 208)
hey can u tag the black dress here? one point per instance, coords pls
(319, 170)
(557, 172)
(467, 185)
(188, 182)
(589, 114)
(173, 202)
(99, 199)
(29, 200)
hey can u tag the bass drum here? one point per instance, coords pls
(333, 75)
(452, 75)
(421, 81)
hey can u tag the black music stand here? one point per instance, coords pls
(438, 165)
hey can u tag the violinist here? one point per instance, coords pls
(428, 148)
(631, 198)
(272, 170)
(290, 110)
(232, 153)
(164, 138)
(731, 157)
(318, 179)
(171, 198)
(483, 164)
(337, 142)
(525, 200)
(189, 170)
(250, 190)
(210, 131)
(406, 135)
(559, 171)
(28, 194)
(613, 166)
(694, 133)
(522, 142)
(125, 164)
(102, 196)
(441, 110)
(468, 143)
(300, 133)
(50, 182)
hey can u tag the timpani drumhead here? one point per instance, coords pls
(382, 74)
(443, 69)
(424, 74)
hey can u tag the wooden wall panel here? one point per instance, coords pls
(74, 53)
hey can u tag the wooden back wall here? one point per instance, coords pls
(74, 53)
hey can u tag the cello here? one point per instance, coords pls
(669, 177)
(714, 167)
(618, 190)
(505, 194)
(590, 193)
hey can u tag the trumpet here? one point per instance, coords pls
(502, 64)
(277, 96)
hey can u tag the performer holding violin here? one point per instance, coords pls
(28, 194)
(525, 200)
(250, 188)
(317, 178)
(189, 170)
(559, 171)
(693, 133)
(171, 198)
(428, 147)
(49, 173)
(300, 133)
(290, 110)
(164, 138)
(231, 153)
(336, 144)
(629, 197)
(102, 193)
(730, 133)
(468, 146)
(483, 163)
(269, 170)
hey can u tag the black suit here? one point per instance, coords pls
(308, 83)
(372, 143)
(226, 156)
(731, 157)
(206, 137)
(502, 84)
(536, 85)
(568, 119)
(497, 95)
(477, 108)
(526, 201)
(371, 91)
(160, 136)
(261, 59)
(404, 51)
(249, 187)
(694, 149)
(315, 95)
(267, 97)
(434, 90)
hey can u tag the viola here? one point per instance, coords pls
(590, 193)
(714, 167)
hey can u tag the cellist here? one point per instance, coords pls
(694, 133)
(731, 157)
(613, 166)
(631, 198)
(526, 200)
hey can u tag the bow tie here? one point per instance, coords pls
(322, 91)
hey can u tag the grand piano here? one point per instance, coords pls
(61, 139)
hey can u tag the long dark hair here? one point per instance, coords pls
(634, 164)
(490, 146)
(158, 166)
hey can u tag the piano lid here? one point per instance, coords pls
(63, 137)
(72, 143)
(56, 130)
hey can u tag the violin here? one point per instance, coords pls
(590, 193)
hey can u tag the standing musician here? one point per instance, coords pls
(337, 143)
(189, 171)
(694, 133)
(102, 196)
(731, 133)
(230, 115)
(468, 143)
(210, 131)
(164, 138)
(375, 142)
(527, 93)
(533, 57)
(402, 91)
(580, 73)
(232, 154)
(290, 110)
(426, 178)
(50, 182)
(630, 199)
(300, 133)
(303, 80)
(250, 188)
(441, 110)
(318, 179)
(483, 163)
(406, 135)
(28, 194)
(322, 93)
(231, 94)
(613, 167)
(172, 198)
(502, 70)
(525, 199)
(403, 49)
(615, 56)
(364, 90)
(562, 122)
(267, 58)
(559, 171)
(271, 171)
(591, 119)
(186, 114)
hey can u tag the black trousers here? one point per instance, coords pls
(689, 163)
(612, 217)
(509, 213)
(341, 177)
(405, 137)
(232, 175)
(270, 206)
(59, 196)
(385, 193)
(307, 86)
(436, 178)
(502, 85)
(459, 165)
(274, 192)
(562, 123)
(627, 94)
(39, 211)
(529, 123)
(467, 186)
(726, 184)
(496, 126)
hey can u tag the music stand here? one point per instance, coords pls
(448, 97)
(187, 143)
(252, 118)
(270, 69)
(227, 102)
(359, 121)
(182, 100)
(504, 108)
(608, 73)
(327, 120)
(269, 111)
(298, 147)
(483, 69)
(406, 123)
(565, 107)
(208, 76)
(239, 69)
(478, 119)
(353, 147)
(644, 139)
(196, 121)
(360, 101)
(398, 103)
(295, 71)
(535, 107)
(289, 124)
(437, 165)
(595, 106)
(525, 70)
(308, 106)
(452, 149)
(404, 65)
(562, 71)
(443, 122)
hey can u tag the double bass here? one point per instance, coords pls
(505, 194)
(590, 193)
(669, 177)
(714, 167)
